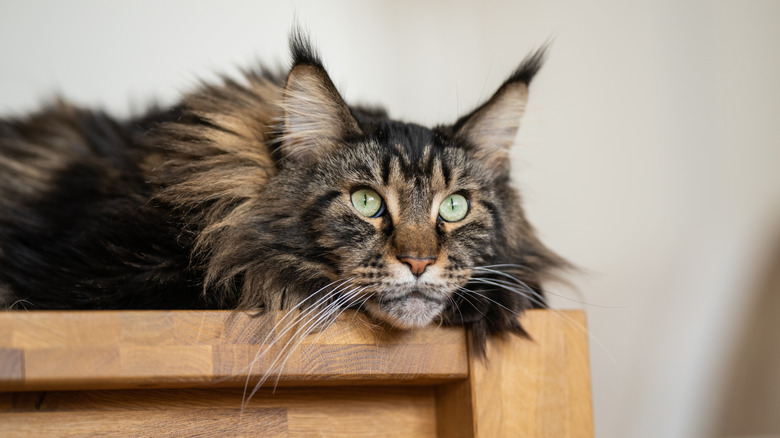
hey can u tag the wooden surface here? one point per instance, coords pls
(387, 411)
(539, 388)
(526, 388)
(413, 384)
(145, 349)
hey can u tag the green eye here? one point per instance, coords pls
(454, 208)
(367, 202)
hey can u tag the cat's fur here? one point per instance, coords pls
(239, 197)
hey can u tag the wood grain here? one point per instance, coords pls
(295, 412)
(421, 383)
(120, 350)
(538, 388)
(455, 406)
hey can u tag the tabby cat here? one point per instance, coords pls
(272, 193)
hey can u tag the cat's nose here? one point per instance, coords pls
(417, 265)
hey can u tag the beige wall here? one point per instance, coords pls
(648, 156)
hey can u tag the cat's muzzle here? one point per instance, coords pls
(411, 310)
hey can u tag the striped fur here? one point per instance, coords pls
(239, 197)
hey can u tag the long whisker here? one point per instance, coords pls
(340, 303)
(491, 300)
(368, 297)
(354, 297)
(454, 304)
(524, 291)
(314, 317)
(505, 265)
(291, 312)
(370, 326)
(547, 289)
(503, 274)
(300, 303)
(297, 316)
(569, 320)
(460, 293)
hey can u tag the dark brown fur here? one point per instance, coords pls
(239, 197)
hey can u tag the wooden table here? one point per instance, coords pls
(183, 373)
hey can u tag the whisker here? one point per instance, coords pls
(340, 303)
(368, 297)
(266, 345)
(348, 303)
(19, 303)
(454, 304)
(561, 315)
(546, 290)
(509, 286)
(504, 265)
(465, 297)
(314, 316)
(493, 301)
(366, 322)
(292, 312)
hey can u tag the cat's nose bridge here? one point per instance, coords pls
(416, 245)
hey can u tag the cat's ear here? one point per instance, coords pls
(491, 129)
(316, 118)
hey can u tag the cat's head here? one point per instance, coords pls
(413, 225)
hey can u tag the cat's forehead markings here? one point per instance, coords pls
(426, 153)
(392, 204)
(438, 181)
(395, 185)
(396, 177)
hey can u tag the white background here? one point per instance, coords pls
(648, 156)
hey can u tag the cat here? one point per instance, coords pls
(270, 192)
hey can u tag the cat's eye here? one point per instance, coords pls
(368, 202)
(454, 208)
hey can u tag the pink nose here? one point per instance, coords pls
(417, 265)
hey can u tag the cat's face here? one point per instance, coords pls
(408, 215)
(410, 224)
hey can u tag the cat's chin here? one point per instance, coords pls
(409, 311)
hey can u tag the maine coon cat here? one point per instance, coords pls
(270, 192)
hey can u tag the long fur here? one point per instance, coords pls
(238, 197)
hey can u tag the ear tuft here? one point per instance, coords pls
(530, 65)
(491, 129)
(316, 118)
(302, 49)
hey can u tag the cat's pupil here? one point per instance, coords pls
(367, 202)
(454, 208)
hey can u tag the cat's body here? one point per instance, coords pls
(271, 193)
